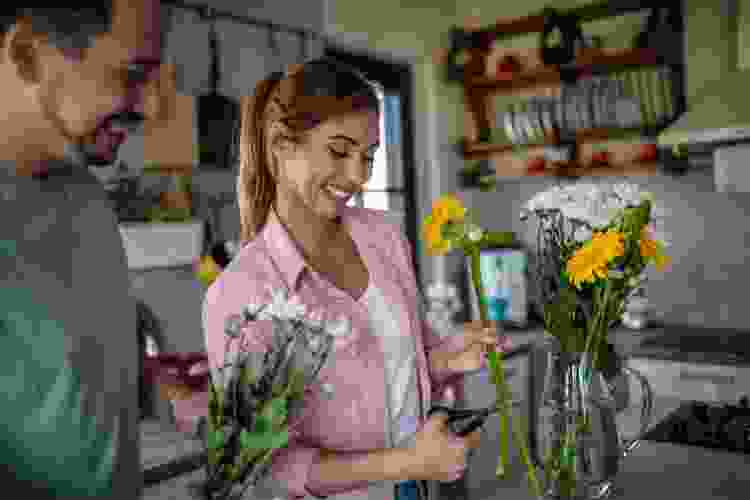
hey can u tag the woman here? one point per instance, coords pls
(307, 144)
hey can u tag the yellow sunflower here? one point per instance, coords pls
(447, 208)
(432, 234)
(591, 262)
(208, 270)
(652, 249)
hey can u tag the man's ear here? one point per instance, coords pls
(22, 49)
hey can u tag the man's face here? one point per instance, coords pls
(97, 97)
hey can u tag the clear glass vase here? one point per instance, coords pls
(574, 437)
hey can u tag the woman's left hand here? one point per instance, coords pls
(476, 340)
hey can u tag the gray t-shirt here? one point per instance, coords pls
(68, 342)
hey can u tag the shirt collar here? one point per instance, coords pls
(283, 250)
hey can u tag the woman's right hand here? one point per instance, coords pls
(438, 454)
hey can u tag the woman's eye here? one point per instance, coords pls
(337, 154)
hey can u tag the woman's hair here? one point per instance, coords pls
(300, 100)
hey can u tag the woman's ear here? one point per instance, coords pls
(278, 145)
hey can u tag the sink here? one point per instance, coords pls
(162, 244)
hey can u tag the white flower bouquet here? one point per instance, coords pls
(256, 399)
(594, 242)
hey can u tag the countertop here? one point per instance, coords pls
(653, 470)
(171, 459)
(167, 452)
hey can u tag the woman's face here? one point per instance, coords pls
(336, 155)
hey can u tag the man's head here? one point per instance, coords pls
(79, 73)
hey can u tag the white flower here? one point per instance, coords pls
(250, 312)
(630, 194)
(233, 326)
(315, 319)
(582, 234)
(282, 308)
(339, 327)
(475, 233)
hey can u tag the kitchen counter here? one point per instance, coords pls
(652, 471)
(171, 458)
(167, 452)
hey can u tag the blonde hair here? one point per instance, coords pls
(301, 100)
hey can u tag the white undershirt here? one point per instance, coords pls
(402, 396)
(400, 370)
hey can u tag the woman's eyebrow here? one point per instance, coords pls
(353, 141)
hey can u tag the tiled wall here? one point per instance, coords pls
(707, 284)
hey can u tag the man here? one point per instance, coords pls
(75, 80)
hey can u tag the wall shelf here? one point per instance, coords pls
(659, 93)
(589, 61)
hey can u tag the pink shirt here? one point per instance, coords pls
(352, 420)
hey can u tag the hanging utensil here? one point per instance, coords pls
(217, 114)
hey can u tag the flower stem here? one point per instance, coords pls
(503, 394)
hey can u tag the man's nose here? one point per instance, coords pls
(153, 99)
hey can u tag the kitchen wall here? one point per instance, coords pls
(709, 234)
(709, 231)
(707, 228)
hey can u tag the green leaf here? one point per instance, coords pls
(216, 438)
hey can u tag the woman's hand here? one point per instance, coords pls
(438, 454)
(178, 375)
(477, 339)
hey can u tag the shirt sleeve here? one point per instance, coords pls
(290, 467)
(48, 444)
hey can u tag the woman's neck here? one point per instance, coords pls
(317, 241)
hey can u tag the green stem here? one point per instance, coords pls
(503, 394)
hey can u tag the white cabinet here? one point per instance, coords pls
(150, 245)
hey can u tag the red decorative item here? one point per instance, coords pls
(508, 66)
(601, 157)
(536, 165)
(647, 152)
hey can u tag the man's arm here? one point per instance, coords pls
(48, 444)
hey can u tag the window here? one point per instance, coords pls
(385, 190)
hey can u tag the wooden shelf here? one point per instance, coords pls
(506, 28)
(482, 84)
(477, 150)
(589, 60)
(629, 169)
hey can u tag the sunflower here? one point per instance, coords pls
(448, 215)
(448, 207)
(591, 261)
(207, 270)
(652, 249)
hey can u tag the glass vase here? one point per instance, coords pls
(574, 437)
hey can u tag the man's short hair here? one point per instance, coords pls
(72, 26)
(69, 27)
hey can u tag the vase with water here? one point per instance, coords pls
(575, 438)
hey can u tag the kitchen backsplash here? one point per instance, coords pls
(709, 233)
